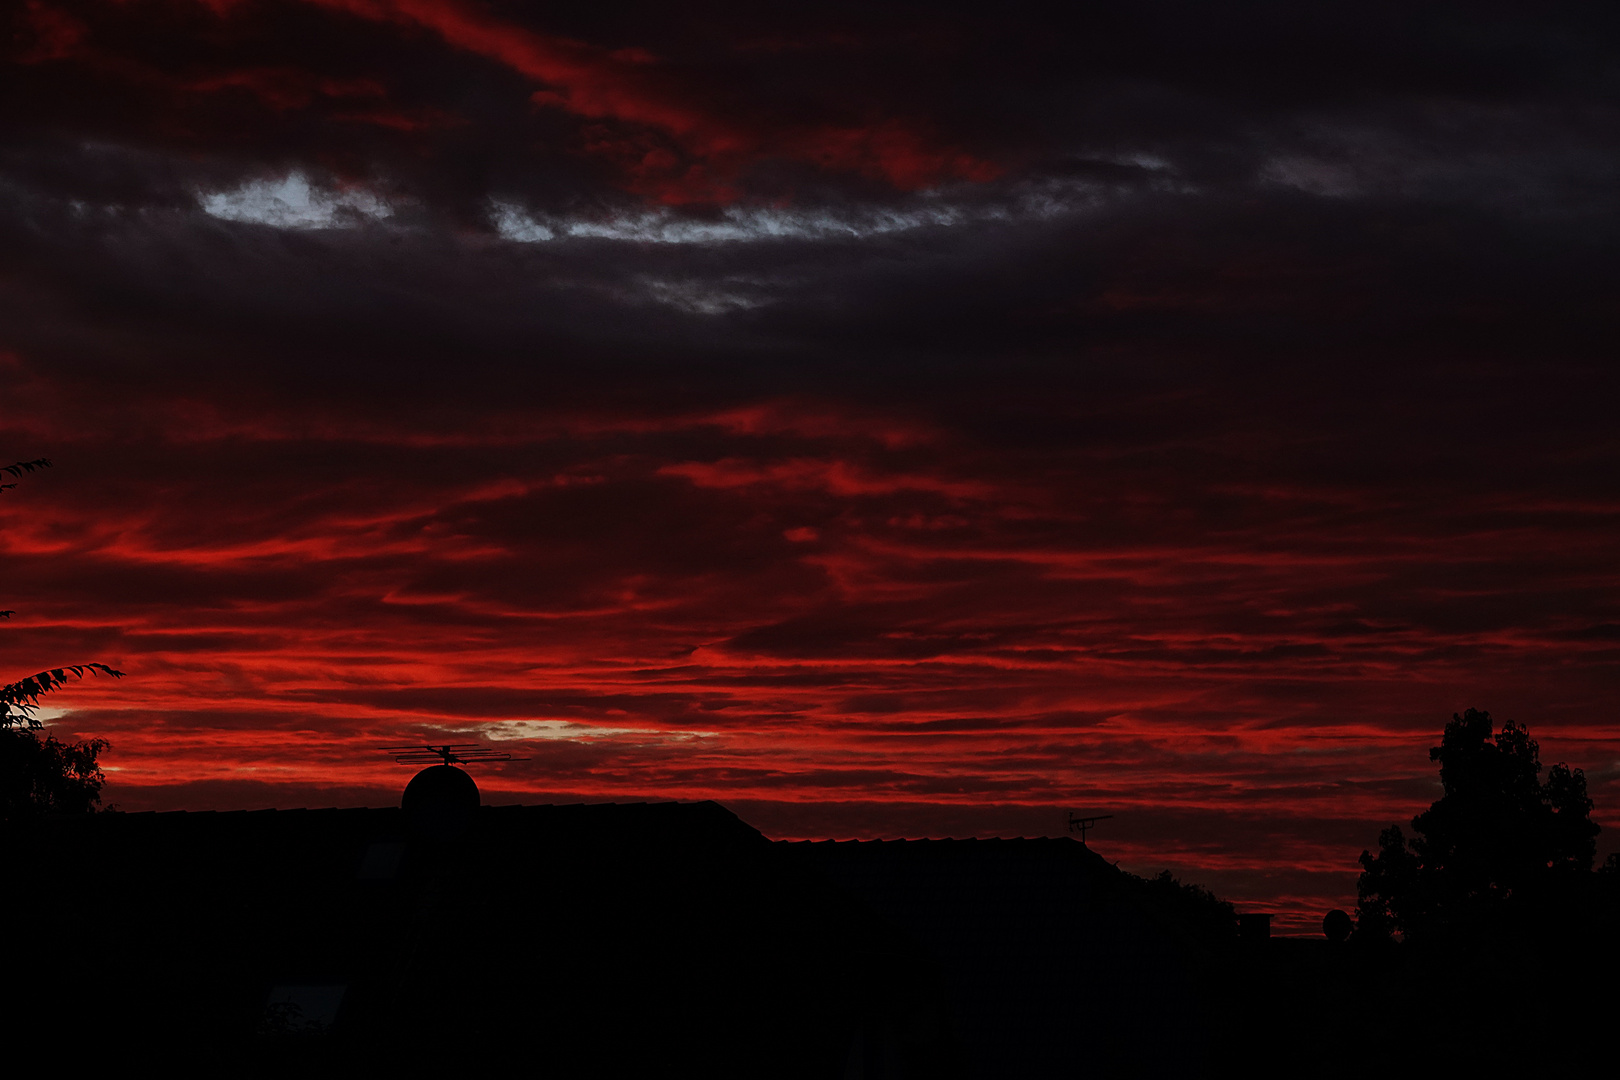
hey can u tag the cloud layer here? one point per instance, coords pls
(899, 422)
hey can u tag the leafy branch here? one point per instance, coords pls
(18, 700)
(17, 468)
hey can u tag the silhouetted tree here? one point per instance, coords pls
(42, 775)
(1193, 907)
(1498, 849)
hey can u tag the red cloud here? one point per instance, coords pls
(56, 34)
(671, 148)
(286, 88)
(815, 615)
(661, 135)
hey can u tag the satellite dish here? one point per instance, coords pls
(440, 802)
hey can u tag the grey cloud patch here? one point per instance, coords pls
(1023, 202)
(292, 202)
(1543, 159)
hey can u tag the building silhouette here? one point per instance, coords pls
(672, 939)
(587, 940)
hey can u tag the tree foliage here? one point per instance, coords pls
(1192, 907)
(41, 775)
(18, 700)
(1500, 849)
(21, 698)
(17, 468)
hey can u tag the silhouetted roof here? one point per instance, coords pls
(1046, 973)
(593, 939)
(692, 819)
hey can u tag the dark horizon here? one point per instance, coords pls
(885, 420)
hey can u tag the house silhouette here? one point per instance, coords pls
(585, 940)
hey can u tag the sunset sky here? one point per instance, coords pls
(885, 419)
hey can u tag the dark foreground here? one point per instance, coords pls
(661, 940)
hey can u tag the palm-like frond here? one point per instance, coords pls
(18, 700)
(17, 468)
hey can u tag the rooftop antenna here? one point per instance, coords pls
(447, 754)
(1081, 824)
(441, 801)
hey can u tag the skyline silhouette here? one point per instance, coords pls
(610, 939)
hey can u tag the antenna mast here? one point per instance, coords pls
(447, 754)
(1081, 824)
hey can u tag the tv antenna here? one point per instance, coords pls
(447, 754)
(1081, 824)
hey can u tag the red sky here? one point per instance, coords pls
(895, 422)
